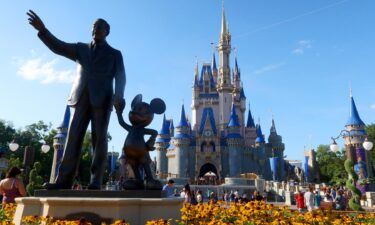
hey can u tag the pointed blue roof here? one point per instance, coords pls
(233, 121)
(213, 62)
(183, 122)
(236, 70)
(208, 113)
(165, 127)
(206, 68)
(242, 93)
(65, 122)
(171, 126)
(260, 137)
(250, 121)
(354, 118)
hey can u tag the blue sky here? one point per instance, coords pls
(297, 59)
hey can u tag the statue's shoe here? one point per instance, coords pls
(133, 184)
(56, 186)
(153, 185)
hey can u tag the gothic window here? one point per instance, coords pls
(212, 146)
(203, 146)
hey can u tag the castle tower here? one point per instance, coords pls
(181, 141)
(224, 84)
(58, 144)
(311, 168)
(353, 142)
(235, 145)
(275, 151)
(161, 145)
(250, 130)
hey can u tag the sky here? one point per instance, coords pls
(298, 59)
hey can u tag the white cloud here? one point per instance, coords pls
(43, 71)
(269, 67)
(372, 106)
(302, 45)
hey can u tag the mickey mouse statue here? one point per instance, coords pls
(135, 148)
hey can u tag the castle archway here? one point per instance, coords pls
(208, 169)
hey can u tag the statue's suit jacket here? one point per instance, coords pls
(97, 66)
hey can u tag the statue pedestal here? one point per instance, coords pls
(97, 210)
(289, 197)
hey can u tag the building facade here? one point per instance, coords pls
(219, 140)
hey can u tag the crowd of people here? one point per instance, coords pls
(198, 196)
(337, 198)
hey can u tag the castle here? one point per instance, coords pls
(217, 141)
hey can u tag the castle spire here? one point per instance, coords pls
(236, 70)
(183, 122)
(273, 127)
(250, 120)
(233, 122)
(213, 62)
(196, 75)
(65, 122)
(354, 118)
(224, 29)
(165, 127)
(260, 137)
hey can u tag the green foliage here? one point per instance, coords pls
(354, 202)
(331, 165)
(35, 180)
(370, 129)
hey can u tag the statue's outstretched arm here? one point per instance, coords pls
(57, 46)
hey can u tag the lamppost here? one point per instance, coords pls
(353, 176)
(29, 154)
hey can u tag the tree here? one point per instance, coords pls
(370, 129)
(331, 165)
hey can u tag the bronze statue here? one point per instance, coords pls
(135, 148)
(91, 98)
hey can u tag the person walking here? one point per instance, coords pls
(187, 195)
(309, 198)
(317, 200)
(300, 200)
(12, 187)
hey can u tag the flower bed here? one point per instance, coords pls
(252, 213)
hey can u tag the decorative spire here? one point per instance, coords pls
(213, 62)
(242, 93)
(196, 74)
(165, 127)
(233, 121)
(260, 137)
(65, 122)
(236, 70)
(183, 122)
(354, 118)
(273, 127)
(250, 120)
(224, 29)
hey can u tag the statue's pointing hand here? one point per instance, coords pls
(35, 21)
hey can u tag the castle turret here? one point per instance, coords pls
(181, 141)
(224, 84)
(250, 130)
(59, 143)
(235, 145)
(275, 151)
(161, 145)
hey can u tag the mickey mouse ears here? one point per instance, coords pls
(157, 105)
